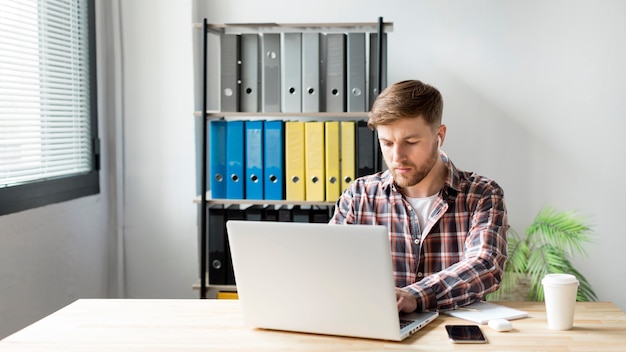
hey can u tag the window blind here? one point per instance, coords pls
(45, 117)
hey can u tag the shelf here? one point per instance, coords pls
(243, 28)
(230, 288)
(374, 46)
(283, 115)
(247, 202)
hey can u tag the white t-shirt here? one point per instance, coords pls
(422, 207)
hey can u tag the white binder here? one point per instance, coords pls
(356, 89)
(250, 73)
(291, 73)
(270, 59)
(311, 72)
(229, 72)
(335, 69)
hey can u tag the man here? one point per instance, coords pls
(447, 227)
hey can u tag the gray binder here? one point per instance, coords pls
(373, 81)
(311, 72)
(335, 69)
(250, 73)
(229, 72)
(270, 59)
(291, 73)
(356, 89)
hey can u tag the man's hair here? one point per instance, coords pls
(407, 99)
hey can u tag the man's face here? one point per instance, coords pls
(409, 147)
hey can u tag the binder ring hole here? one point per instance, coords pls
(335, 92)
(311, 91)
(248, 90)
(216, 264)
(273, 178)
(314, 179)
(347, 179)
(271, 54)
(219, 177)
(254, 178)
(228, 92)
(295, 179)
(292, 90)
(356, 92)
(234, 177)
(333, 179)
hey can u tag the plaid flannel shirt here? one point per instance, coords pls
(459, 255)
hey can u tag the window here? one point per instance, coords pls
(49, 146)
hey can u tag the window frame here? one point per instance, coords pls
(44, 192)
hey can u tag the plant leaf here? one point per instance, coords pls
(566, 230)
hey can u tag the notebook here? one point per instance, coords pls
(482, 312)
(318, 278)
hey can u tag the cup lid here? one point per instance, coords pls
(559, 279)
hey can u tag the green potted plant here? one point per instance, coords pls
(551, 240)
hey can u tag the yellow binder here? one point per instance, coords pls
(227, 295)
(333, 176)
(347, 153)
(314, 161)
(294, 161)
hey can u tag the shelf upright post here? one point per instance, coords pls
(203, 187)
(380, 30)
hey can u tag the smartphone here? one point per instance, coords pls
(465, 334)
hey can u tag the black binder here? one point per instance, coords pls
(255, 213)
(284, 214)
(300, 215)
(233, 213)
(217, 247)
(320, 215)
(270, 214)
(365, 150)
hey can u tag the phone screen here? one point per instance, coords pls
(465, 334)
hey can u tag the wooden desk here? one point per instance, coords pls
(209, 325)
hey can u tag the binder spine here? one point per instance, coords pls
(335, 82)
(254, 159)
(274, 149)
(230, 46)
(311, 72)
(291, 74)
(356, 71)
(250, 73)
(377, 74)
(270, 59)
(235, 180)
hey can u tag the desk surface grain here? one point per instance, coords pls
(210, 325)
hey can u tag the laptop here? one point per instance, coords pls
(318, 278)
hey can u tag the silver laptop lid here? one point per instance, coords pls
(317, 278)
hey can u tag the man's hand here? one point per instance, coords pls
(406, 302)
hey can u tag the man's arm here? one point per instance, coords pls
(480, 271)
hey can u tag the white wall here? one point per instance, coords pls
(160, 233)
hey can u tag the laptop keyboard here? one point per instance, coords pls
(404, 323)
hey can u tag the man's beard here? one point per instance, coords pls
(417, 174)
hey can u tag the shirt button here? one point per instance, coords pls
(420, 274)
(416, 241)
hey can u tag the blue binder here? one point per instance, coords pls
(274, 172)
(254, 159)
(217, 158)
(235, 179)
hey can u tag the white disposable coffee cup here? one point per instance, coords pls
(560, 295)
